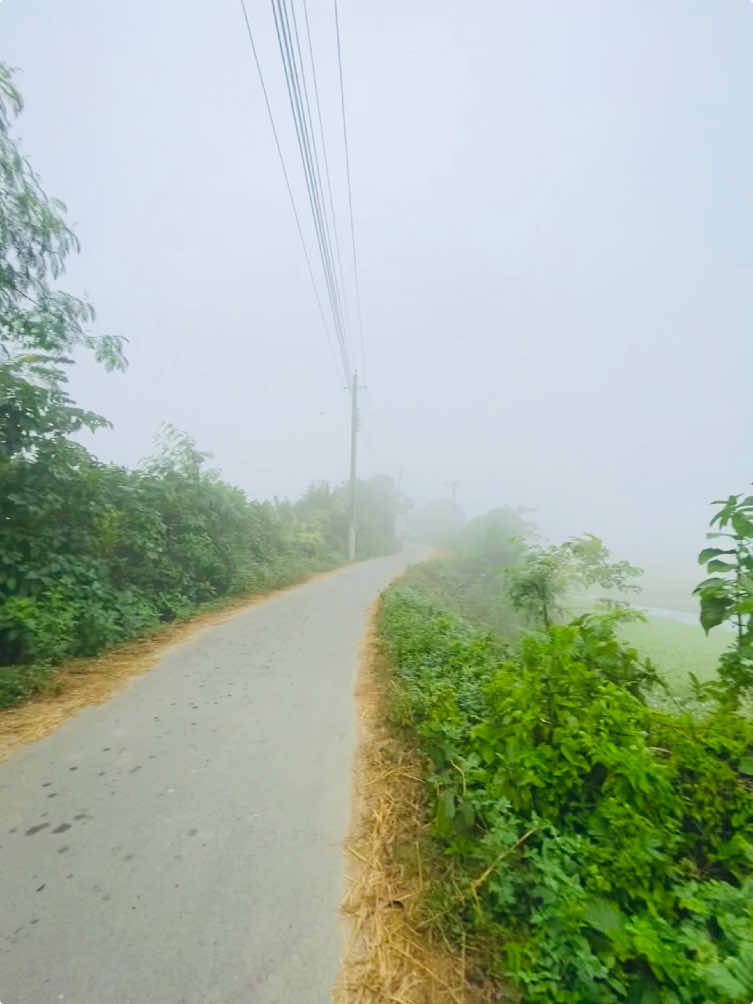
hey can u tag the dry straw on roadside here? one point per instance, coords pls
(387, 958)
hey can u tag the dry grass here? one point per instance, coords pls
(390, 955)
(80, 683)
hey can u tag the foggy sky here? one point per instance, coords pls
(554, 210)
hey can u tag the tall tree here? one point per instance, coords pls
(40, 324)
(538, 585)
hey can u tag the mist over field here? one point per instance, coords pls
(553, 209)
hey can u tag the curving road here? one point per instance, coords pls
(182, 844)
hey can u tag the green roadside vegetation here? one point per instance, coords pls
(587, 837)
(92, 554)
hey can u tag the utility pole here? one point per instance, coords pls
(453, 486)
(353, 444)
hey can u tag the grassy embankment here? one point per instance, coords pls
(576, 840)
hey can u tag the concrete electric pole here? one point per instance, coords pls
(353, 452)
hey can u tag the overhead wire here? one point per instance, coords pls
(356, 281)
(286, 176)
(323, 213)
(317, 181)
(300, 108)
(315, 156)
(310, 124)
(324, 153)
(295, 98)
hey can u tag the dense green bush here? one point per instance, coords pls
(92, 554)
(603, 849)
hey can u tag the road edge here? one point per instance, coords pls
(83, 683)
(386, 956)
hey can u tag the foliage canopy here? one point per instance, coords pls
(40, 325)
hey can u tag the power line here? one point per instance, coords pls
(318, 176)
(285, 175)
(300, 106)
(295, 82)
(350, 189)
(294, 69)
(310, 126)
(324, 152)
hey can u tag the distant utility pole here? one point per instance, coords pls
(453, 486)
(354, 388)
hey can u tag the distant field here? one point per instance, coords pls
(677, 649)
(673, 591)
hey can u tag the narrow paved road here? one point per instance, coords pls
(182, 844)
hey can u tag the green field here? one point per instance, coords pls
(677, 649)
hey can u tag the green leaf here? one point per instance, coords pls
(466, 813)
(746, 766)
(742, 526)
(446, 807)
(711, 552)
(720, 566)
(603, 916)
(714, 610)
(650, 996)
(721, 979)
(714, 581)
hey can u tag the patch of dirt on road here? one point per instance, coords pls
(80, 683)
(387, 956)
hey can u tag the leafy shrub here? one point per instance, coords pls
(18, 683)
(727, 595)
(92, 553)
(602, 847)
(36, 629)
(540, 582)
(136, 613)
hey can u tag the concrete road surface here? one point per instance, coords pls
(182, 844)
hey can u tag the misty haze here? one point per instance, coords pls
(376, 548)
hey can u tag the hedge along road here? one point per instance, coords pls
(183, 842)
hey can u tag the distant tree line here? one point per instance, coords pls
(92, 553)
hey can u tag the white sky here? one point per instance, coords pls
(554, 213)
